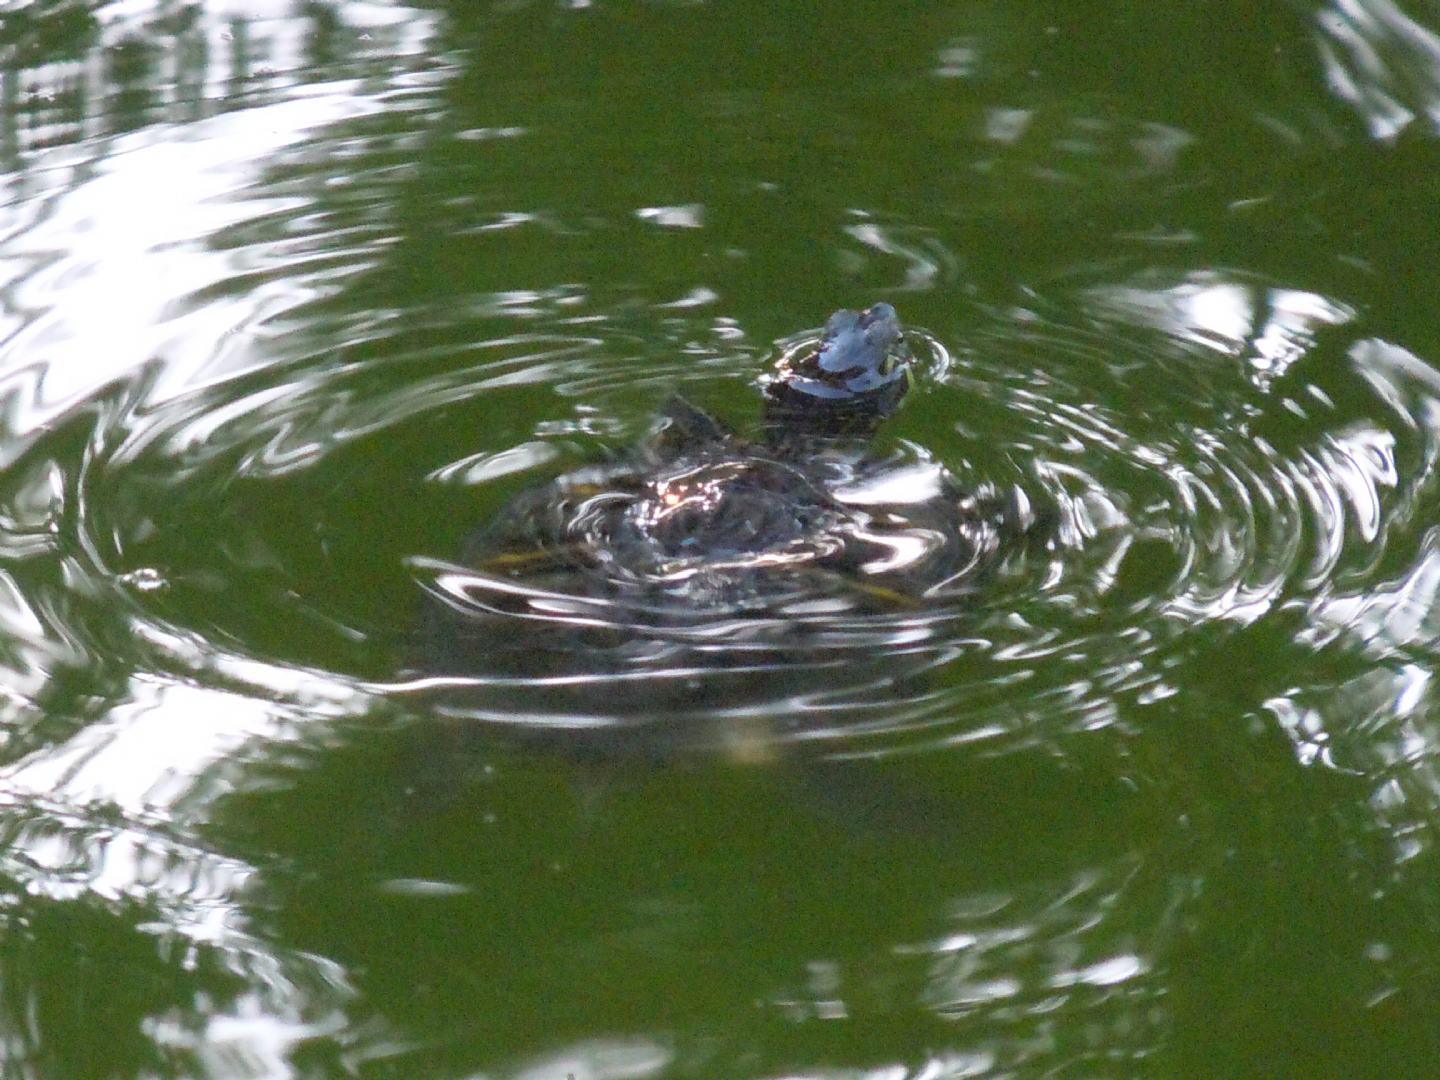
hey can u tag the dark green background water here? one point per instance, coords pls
(295, 294)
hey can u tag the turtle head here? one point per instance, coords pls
(854, 378)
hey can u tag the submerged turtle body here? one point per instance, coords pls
(699, 516)
(729, 522)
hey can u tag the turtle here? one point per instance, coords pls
(704, 552)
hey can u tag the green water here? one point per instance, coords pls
(294, 297)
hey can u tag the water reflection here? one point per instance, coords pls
(1383, 62)
(143, 253)
(74, 75)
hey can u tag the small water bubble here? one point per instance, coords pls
(959, 60)
(484, 134)
(145, 579)
(688, 216)
(426, 887)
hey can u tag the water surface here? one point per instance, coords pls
(295, 297)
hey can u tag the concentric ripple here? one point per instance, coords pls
(1096, 538)
(1034, 554)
